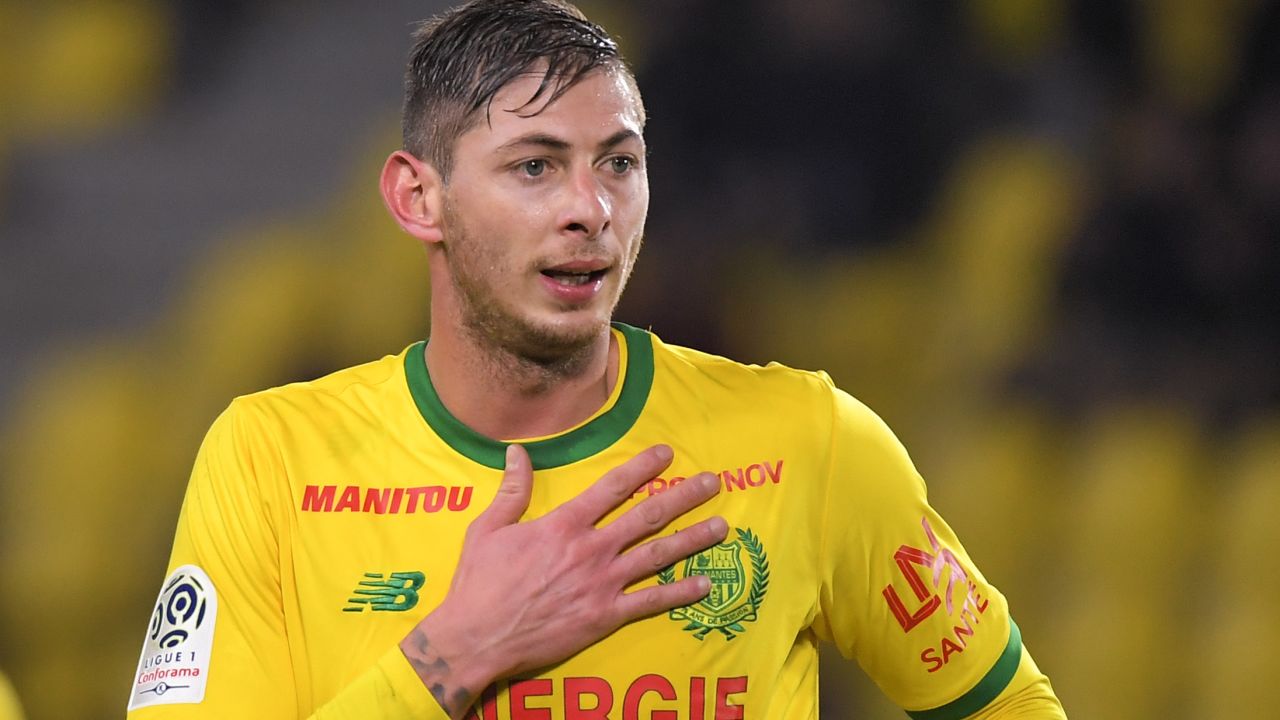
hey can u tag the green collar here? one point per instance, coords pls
(577, 444)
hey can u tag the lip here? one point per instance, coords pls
(575, 294)
(580, 266)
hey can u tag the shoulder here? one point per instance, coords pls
(774, 380)
(810, 397)
(350, 397)
(351, 385)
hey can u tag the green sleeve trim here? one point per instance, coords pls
(570, 447)
(987, 689)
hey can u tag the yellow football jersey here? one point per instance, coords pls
(9, 707)
(323, 521)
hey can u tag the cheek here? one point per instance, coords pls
(508, 218)
(631, 212)
(629, 195)
(484, 225)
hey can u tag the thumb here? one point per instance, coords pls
(513, 494)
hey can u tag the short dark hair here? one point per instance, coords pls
(463, 57)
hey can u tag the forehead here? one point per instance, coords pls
(599, 105)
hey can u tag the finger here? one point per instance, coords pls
(644, 560)
(656, 512)
(651, 601)
(513, 495)
(617, 485)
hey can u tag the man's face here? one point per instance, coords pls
(544, 214)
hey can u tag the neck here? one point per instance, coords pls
(505, 396)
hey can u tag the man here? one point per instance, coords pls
(539, 514)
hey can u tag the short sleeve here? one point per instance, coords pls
(899, 593)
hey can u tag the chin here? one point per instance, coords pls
(565, 334)
(546, 338)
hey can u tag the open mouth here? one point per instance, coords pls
(573, 278)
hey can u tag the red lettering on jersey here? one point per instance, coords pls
(384, 501)
(743, 478)
(724, 688)
(697, 698)
(905, 557)
(948, 649)
(377, 500)
(415, 496)
(907, 619)
(572, 693)
(908, 556)
(655, 486)
(350, 499)
(434, 499)
(316, 499)
(574, 690)
(459, 498)
(775, 471)
(937, 562)
(930, 658)
(648, 684)
(522, 691)
(963, 633)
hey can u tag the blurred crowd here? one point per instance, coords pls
(1038, 236)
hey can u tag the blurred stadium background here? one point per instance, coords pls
(1038, 236)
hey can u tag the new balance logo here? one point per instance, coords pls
(379, 593)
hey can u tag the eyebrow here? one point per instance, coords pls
(618, 138)
(552, 142)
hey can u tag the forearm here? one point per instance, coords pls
(443, 666)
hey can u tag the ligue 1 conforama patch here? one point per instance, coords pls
(175, 655)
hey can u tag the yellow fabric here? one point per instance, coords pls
(305, 499)
(1029, 696)
(10, 709)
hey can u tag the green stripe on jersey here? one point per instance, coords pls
(552, 452)
(996, 680)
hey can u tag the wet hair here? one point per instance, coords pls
(463, 57)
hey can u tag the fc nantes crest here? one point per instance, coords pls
(739, 575)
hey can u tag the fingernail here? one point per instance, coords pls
(703, 583)
(719, 526)
(664, 452)
(710, 482)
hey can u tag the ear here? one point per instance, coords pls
(413, 192)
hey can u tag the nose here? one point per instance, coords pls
(588, 208)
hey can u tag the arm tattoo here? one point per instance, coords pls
(435, 672)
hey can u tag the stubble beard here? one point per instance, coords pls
(506, 336)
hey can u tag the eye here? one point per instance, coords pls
(533, 168)
(621, 164)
